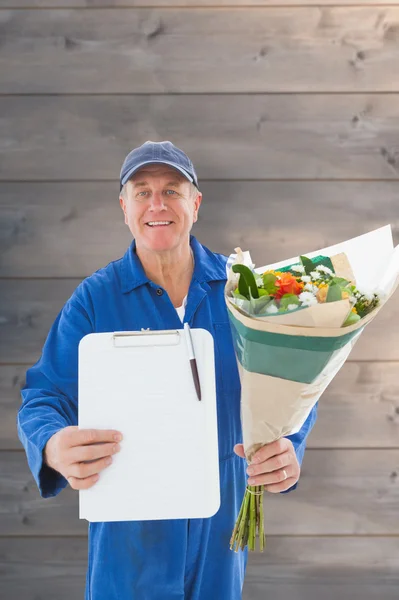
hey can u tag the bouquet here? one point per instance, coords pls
(294, 324)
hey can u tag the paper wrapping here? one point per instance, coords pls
(273, 407)
(285, 366)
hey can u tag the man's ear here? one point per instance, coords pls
(122, 203)
(198, 201)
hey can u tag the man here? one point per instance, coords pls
(166, 276)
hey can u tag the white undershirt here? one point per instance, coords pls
(182, 309)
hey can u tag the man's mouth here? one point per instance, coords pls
(159, 223)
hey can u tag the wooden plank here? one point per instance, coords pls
(290, 49)
(343, 492)
(313, 568)
(28, 308)
(292, 136)
(360, 408)
(92, 4)
(44, 237)
(24, 512)
(12, 379)
(40, 568)
(59, 229)
(299, 568)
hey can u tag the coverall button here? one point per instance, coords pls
(159, 291)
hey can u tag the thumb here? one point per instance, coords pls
(239, 449)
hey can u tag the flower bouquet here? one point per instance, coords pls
(294, 324)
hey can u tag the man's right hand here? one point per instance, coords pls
(68, 449)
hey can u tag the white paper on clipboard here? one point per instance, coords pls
(140, 383)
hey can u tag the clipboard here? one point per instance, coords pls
(140, 383)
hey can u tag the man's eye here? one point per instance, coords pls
(166, 190)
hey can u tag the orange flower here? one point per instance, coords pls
(287, 284)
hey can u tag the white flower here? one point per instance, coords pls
(298, 268)
(309, 287)
(306, 278)
(307, 299)
(315, 275)
(272, 309)
(324, 269)
(292, 306)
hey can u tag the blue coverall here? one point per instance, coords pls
(150, 560)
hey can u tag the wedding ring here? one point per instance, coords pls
(285, 474)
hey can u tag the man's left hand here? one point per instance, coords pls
(275, 466)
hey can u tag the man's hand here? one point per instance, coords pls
(68, 449)
(275, 466)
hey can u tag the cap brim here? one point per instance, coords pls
(150, 162)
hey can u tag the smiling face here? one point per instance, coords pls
(159, 193)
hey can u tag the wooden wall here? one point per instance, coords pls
(290, 113)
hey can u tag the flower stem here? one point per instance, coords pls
(262, 539)
(250, 521)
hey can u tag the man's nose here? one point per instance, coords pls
(157, 200)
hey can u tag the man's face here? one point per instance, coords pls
(159, 193)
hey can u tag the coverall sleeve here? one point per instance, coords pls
(50, 396)
(299, 439)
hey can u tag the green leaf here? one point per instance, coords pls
(269, 281)
(351, 319)
(340, 281)
(316, 261)
(288, 299)
(307, 264)
(246, 281)
(263, 312)
(243, 287)
(261, 303)
(238, 295)
(334, 293)
(269, 278)
(263, 292)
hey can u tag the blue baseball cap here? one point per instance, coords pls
(157, 152)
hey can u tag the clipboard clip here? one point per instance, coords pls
(145, 337)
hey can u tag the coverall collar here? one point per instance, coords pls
(207, 267)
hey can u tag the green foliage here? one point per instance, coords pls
(288, 299)
(269, 280)
(246, 281)
(351, 319)
(334, 293)
(307, 264)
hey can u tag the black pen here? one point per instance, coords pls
(193, 362)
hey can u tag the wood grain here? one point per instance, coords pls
(40, 568)
(84, 228)
(139, 50)
(325, 136)
(93, 4)
(300, 568)
(318, 567)
(290, 113)
(28, 308)
(342, 492)
(359, 409)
